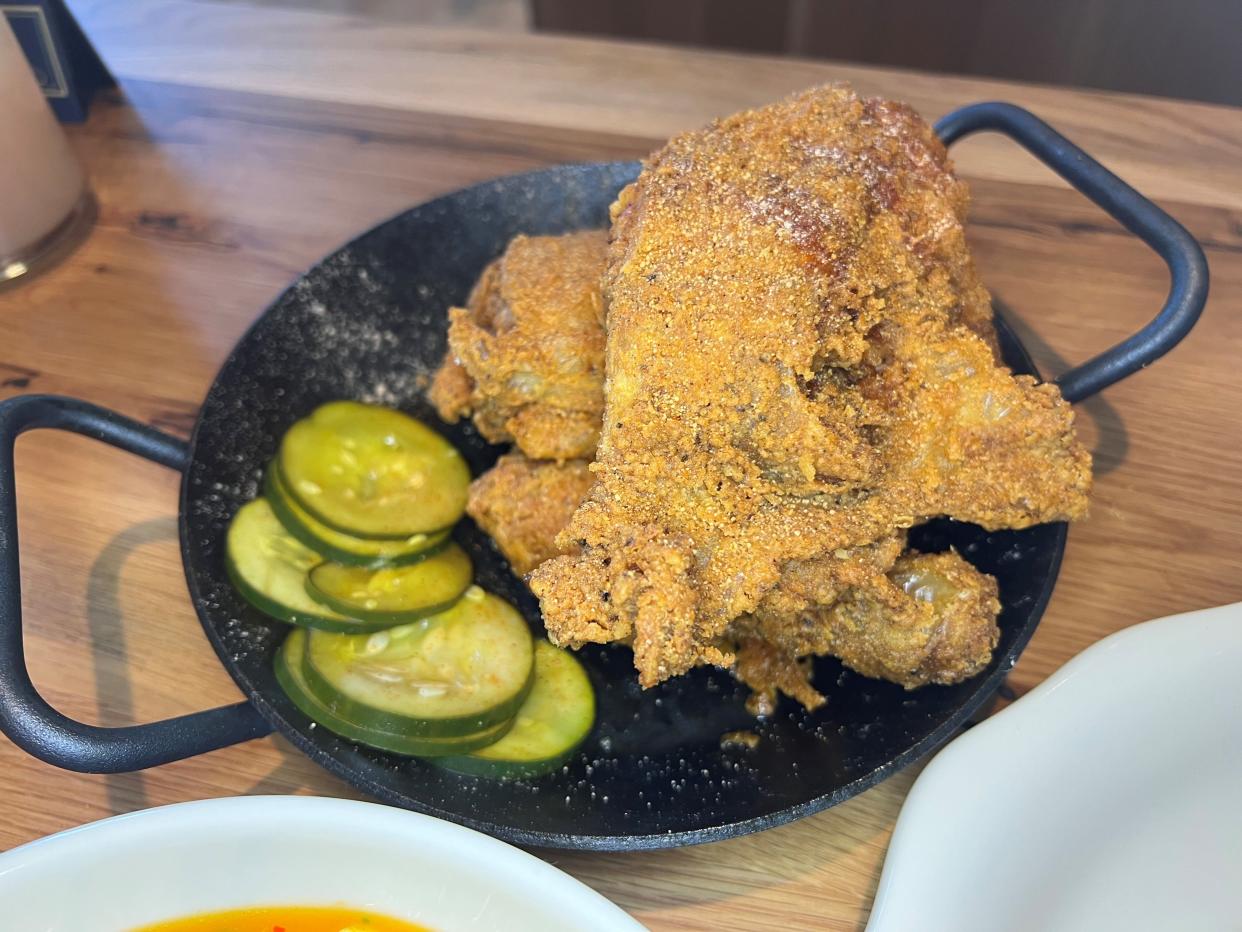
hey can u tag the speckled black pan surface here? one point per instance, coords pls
(369, 323)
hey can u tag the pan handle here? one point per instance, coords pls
(25, 716)
(1174, 244)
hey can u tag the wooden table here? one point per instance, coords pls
(245, 143)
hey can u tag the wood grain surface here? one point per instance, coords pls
(246, 143)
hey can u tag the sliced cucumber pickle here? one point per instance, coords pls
(393, 595)
(338, 546)
(268, 567)
(373, 472)
(453, 674)
(555, 718)
(289, 660)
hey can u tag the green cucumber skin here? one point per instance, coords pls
(318, 514)
(354, 532)
(274, 609)
(276, 491)
(406, 745)
(368, 716)
(562, 686)
(386, 619)
(381, 620)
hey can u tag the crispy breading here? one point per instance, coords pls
(523, 504)
(936, 623)
(767, 670)
(804, 584)
(798, 364)
(526, 355)
(930, 619)
(451, 390)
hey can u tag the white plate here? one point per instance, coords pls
(1110, 797)
(288, 850)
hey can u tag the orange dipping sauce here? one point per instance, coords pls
(286, 919)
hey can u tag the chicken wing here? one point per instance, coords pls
(526, 355)
(799, 365)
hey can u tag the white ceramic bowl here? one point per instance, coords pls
(1110, 797)
(274, 850)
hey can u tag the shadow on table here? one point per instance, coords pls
(114, 696)
(113, 690)
(297, 772)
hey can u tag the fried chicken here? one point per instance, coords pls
(929, 619)
(768, 670)
(800, 365)
(933, 622)
(804, 584)
(523, 504)
(526, 355)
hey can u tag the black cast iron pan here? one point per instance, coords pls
(366, 323)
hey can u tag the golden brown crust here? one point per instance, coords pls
(799, 362)
(767, 669)
(526, 356)
(930, 619)
(450, 390)
(804, 584)
(935, 623)
(522, 504)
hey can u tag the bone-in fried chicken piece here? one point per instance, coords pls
(795, 367)
(930, 619)
(971, 441)
(526, 356)
(804, 584)
(941, 629)
(856, 605)
(523, 504)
